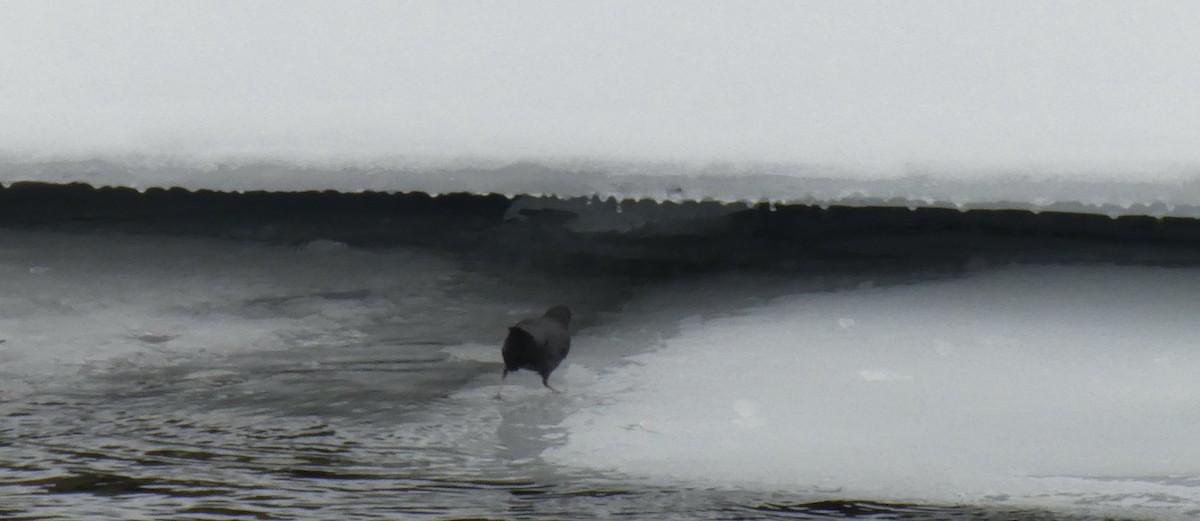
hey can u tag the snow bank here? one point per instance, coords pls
(1067, 386)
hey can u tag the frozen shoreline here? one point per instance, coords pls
(1169, 191)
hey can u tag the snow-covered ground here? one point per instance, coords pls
(1043, 385)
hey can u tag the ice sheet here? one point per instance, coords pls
(74, 304)
(1067, 386)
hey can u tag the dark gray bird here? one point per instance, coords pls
(538, 344)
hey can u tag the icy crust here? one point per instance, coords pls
(1155, 192)
(1068, 387)
(75, 305)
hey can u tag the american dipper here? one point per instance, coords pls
(537, 344)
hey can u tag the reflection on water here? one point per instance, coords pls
(168, 378)
(155, 456)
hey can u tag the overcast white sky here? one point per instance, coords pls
(1075, 84)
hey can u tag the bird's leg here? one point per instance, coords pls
(547, 384)
(499, 391)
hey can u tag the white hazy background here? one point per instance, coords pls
(1079, 88)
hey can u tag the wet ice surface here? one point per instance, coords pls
(1051, 385)
(158, 377)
